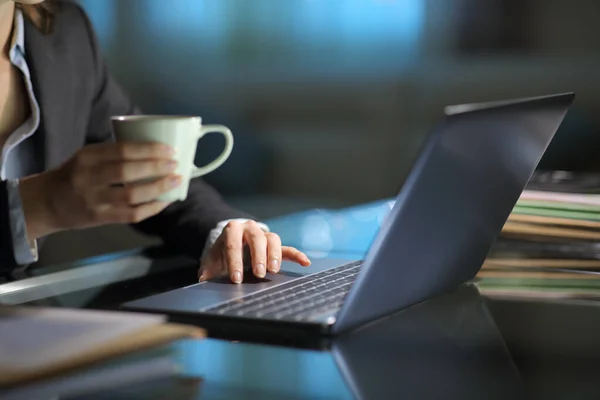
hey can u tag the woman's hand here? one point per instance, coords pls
(98, 186)
(227, 254)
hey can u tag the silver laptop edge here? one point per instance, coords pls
(454, 203)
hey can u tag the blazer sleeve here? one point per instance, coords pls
(7, 257)
(184, 226)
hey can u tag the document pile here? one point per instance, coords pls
(58, 353)
(550, 245)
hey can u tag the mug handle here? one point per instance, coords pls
(200, 171)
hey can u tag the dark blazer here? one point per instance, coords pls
(77, 97)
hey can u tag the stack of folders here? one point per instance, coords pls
(550, 245)
(58, 353)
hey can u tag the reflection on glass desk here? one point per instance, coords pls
(102, 282)
(447, 348)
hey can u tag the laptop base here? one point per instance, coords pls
(304, 335)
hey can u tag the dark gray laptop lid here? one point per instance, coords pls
(458, 195)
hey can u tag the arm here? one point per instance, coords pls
(15, 248)
(7, 254)
(185, 226)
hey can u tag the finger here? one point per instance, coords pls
(130, 214)
(139, 193)
(131, 171)
(211, 272)
(295, 255)
(233, 236)
(257, 242)
(273, 252)
(124, 151)
(213, 262)
(207, 272)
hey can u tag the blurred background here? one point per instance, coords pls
(329, 100)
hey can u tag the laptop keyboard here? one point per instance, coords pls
(299, 300)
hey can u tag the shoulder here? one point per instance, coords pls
(70, 19)
(66, 62)
(71, 41)
(69, 25)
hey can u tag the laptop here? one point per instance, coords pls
(451, 208)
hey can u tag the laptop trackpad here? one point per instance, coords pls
(250, 284)
(208, 294)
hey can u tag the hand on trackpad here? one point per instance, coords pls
(247, 242)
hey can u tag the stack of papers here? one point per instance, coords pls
(549, 248)
(56, 353)
(564, 208)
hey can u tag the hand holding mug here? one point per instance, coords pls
(102, 184)
(148, 168)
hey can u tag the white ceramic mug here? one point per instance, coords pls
(180, 132)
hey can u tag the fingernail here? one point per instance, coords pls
(169, 150)
(202, 278)
(174, 181)
(237, 277)
(172, 165)
(273, 265)
(260, 270)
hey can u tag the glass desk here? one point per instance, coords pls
(460, 345)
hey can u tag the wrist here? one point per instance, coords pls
(36, 206)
